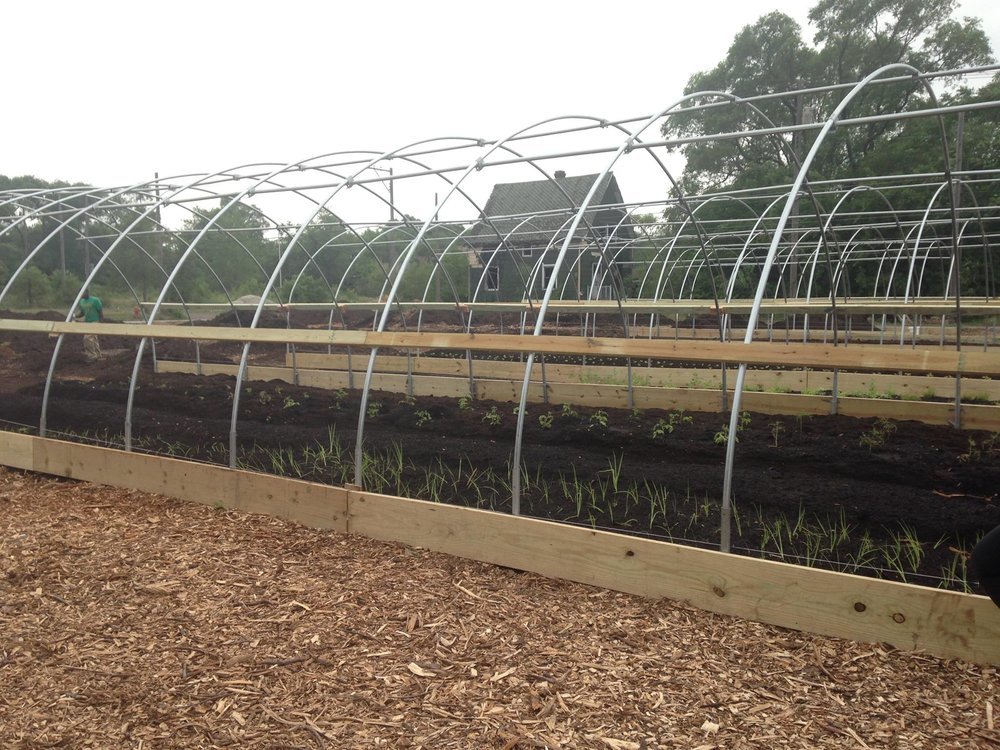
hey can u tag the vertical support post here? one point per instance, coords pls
(545, 384)
(834, 393)
(472, 379)
(631, 392)
(409, 373)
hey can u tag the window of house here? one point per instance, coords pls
(491, 280)
(527, 251)
(547, 270)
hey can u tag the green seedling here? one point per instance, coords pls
(878, 435)
(598, 419)
(662, 428)
(545, 420)
(722, 436)
(492, 417)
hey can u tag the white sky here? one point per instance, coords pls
(109, 91)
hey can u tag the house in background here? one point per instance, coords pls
(523, 226)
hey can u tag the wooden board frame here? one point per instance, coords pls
(859, 357)
(946, 624)
(974, 416)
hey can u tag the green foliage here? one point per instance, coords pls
(598, 419)
(545, 420)
(661, 429)
(492, 417)
(722, 436)
(776, 429)
(852, 38)
(374, 408)
(64, 288)
(977, 451)
(664, 427)
(423, 417)
(465, 403)
(308, 288)
(878, 435)
(32, 288)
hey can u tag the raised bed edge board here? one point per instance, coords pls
(943, 623)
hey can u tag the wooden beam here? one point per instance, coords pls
(946, 624)
(859, 306)
(316, 505)
(17, 450)
(767, 380)
(974, 416)
(821, 356)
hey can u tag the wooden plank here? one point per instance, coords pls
(308, 503)
(822, 356)
(684, 399)
(858, 306)
(17, 450)
(921, 411)
(974, 417)
(767, 380)
(981, 417)
(947, 624)
(914, 386)
(303, 502)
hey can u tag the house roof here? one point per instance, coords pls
(535, 212)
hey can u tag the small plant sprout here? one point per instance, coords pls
(289, 402)
(675, 419)
(744, 422)
(423, 417)
(722, 436)
(636, 414)
(661, 429)
(568, 411)
(598, 419)
(516, 410)
(545, 420)
(374, 409)
(492, 417)
(878, 435)
(776, 429)
(465, 403)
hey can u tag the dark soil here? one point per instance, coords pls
(798, 481)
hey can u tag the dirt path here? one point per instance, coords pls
(133, 621)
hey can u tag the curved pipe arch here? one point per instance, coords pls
(772, 251)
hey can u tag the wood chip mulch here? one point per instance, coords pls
(132, 621)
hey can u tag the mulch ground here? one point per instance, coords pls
(129, 620)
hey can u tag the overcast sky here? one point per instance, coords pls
(108, 92)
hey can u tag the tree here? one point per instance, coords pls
(234, 246)
(853, 38)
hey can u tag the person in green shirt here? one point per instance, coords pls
(92, 311)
